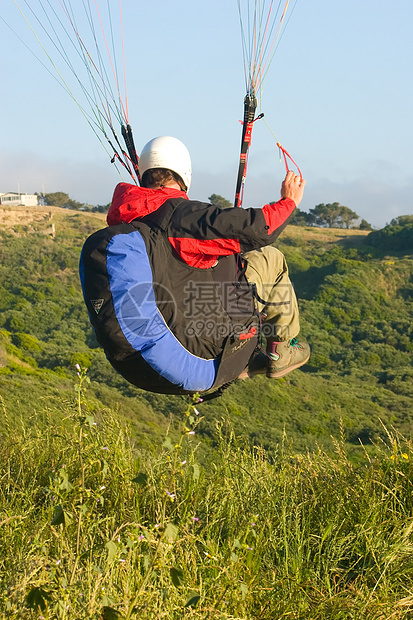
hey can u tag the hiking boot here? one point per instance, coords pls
(290, 355)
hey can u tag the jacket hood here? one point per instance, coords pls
(130, 202)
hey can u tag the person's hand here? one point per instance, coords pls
(293, 187)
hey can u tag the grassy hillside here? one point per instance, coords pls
(356, 311)
(282, 499)
(93, 530)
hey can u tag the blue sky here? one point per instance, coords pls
(338, 96)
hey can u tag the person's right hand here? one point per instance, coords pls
(293, 187)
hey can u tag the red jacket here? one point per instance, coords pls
(201, 235)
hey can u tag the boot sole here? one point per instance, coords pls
(285, 371)
(272, 375)
(246, 374)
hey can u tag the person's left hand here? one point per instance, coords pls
(293, 187)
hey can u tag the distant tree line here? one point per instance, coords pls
(330, 215)
(63, 200)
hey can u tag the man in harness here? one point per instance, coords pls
(178, 290)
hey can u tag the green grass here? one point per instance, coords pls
(91, 527)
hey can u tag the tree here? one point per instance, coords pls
(347, 216)
(402, 220)
(61, 199)
(364, 225)
(56, 199)
(101, 208)
(398, 235)
(301, 218)
(326, 214)
(297, 218)
(333, 215)
(219, 201)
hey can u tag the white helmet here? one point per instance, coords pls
(167, 152)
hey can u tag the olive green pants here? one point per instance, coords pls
(275, 296)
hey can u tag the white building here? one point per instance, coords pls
(12, 199)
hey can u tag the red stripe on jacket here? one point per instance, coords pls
(277, 212)
(203, 253)
(227, 234)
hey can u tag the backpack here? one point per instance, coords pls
(165, 326)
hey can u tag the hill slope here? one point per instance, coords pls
(356, 308)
